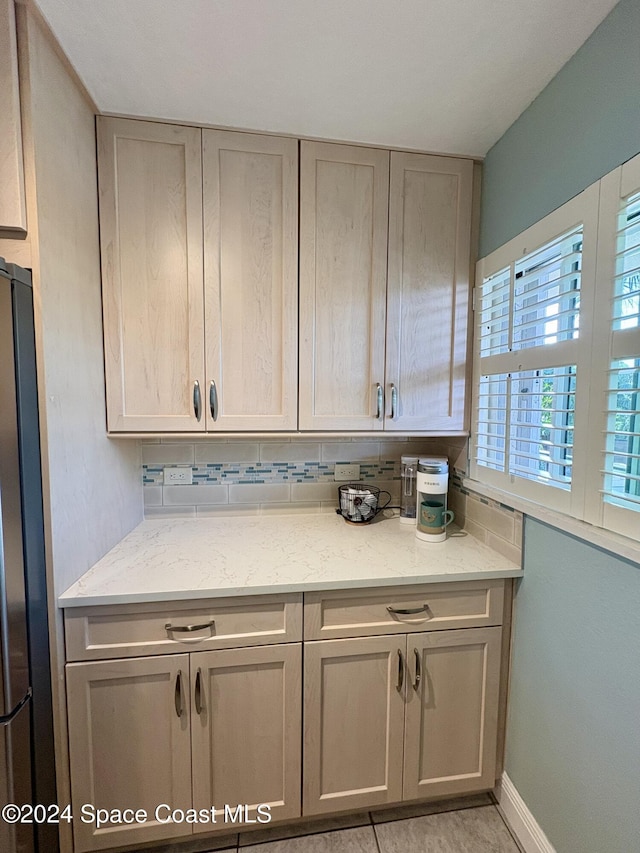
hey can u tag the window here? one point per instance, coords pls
(557, 359)
(530, 356)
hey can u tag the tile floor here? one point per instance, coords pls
(464, 825)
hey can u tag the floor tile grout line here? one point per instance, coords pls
(375, 837)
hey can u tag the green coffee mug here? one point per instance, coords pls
(434, 516)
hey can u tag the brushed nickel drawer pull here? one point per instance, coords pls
(400, 670)
(177, 695)
(400, 611)
(418, 678)
(198, 692)
(188, 629)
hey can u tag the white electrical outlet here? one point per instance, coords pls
(346, 471)
(178, 476)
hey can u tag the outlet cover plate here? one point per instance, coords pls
(346, 471)
(178, 476)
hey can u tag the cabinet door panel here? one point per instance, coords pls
(151, 241)
(451, 720)
(353, 713)
(343, 227)
(128, 747)
(246, 738)
(251, 279)
(13, 215)
(428, 287)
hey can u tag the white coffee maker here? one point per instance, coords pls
(432, 483)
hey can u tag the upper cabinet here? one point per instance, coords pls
(251, 280)
(384, 283)
(207, 327)
(343, 281)
(13, 215)
(151, 242)
(427, 292)
(200, 331)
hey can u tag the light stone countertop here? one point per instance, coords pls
(171, 559)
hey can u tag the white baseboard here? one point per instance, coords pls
(525, 827)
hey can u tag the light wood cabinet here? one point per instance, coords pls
(427, 292)
(251, 280)
(199, 265)
(128, 747)
(399, 718)
(153, 300)
(383, 344)
(196, 731)
(246, 730)
(13, 216)
(343, 272)
(374, 707)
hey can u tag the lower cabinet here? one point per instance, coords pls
(203, 711)
(181, 732)
(399, 717)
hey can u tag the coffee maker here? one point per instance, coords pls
(432, 483)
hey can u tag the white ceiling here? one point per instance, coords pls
(436, 75)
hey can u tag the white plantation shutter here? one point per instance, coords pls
(529, 356)
(622, 441)
(620, 474)
(626, 301)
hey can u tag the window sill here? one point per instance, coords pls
(619, 545)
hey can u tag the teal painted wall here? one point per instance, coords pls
(573, 736)
(581, 126)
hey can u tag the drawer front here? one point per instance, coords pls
(136, 630)
(433, 607)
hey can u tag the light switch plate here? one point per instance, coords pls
(178, 476)
(346, 471)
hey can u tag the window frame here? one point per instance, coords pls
(581, 210)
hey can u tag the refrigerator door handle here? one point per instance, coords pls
(5, 719)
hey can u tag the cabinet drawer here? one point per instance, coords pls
(135, 630)
(361, 613)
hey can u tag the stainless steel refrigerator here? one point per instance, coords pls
(27, 773)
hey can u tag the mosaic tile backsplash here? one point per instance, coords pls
(245, 477)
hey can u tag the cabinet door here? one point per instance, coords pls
(428, 292)
(343, 236)
(353, 723)
(129, 747)
(251, 280)
(246, 731)
(151, 241)
(452, 714)
(12, 201)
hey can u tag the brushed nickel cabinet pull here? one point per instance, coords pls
(400, 611)
(394, 400)
(418, 678)
(188, 629)
(380, 400)
(177, 695)
(213, 400)
(198, 691)
(197, 401)
(400, 670)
